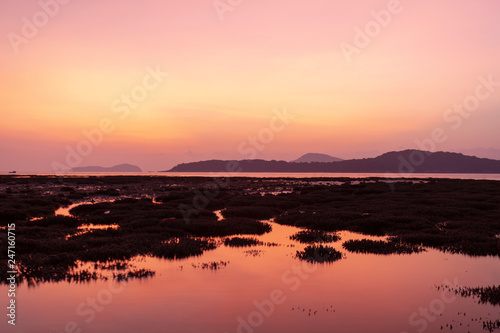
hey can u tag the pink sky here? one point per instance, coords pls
(226, 78)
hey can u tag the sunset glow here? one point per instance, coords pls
(230, 70)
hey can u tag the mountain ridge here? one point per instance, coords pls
(316, 157)
(406, 161)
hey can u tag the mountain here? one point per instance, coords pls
(116, 168)
(407, 161)
(313, 157)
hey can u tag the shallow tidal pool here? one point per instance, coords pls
(265, 288)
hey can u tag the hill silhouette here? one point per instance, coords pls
(407, 161)
(314, 157)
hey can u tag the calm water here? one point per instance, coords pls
(265, 289)
(278, 175)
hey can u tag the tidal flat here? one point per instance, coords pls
(91, 230)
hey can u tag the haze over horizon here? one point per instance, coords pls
(159, 83)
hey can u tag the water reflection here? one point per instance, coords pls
(65, 211)
(87, 228)
(267, 289)
(220, 216)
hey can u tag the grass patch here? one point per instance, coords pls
(314, 236)
(134, 274)
(182, 248)
(393, 246)
(213, 265)
(241, 242)
(452, 215)
(319, 253)
(483, 295)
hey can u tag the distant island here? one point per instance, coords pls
(116, 168)
(407, 161)
(314, 157)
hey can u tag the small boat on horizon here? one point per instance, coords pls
(12, 172)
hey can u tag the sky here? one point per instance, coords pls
(160, 82)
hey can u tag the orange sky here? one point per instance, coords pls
(227, 77)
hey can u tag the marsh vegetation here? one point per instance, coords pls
(315, 236)
(241, 242)
(147, 216)
(319, 254)
(392, 246)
